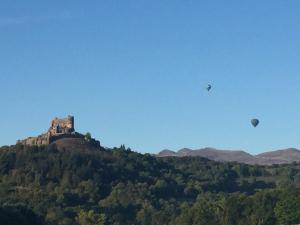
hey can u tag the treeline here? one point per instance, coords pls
(44, 185)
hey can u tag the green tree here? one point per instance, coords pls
(90, 218)
(54, 215)
(88, 136)
(287, 209)
(261, 208)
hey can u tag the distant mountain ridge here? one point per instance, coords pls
(282, 156)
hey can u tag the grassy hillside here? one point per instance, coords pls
(50, 185)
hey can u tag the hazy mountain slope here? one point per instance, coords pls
(274, 157)
(280, 156)
(166, 152)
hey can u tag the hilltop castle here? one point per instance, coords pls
(60, 128)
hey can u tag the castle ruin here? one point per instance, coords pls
(60, 128)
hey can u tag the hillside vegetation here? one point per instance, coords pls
(50, 185)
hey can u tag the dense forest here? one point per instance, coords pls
(44, 185)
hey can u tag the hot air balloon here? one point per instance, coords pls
(254, 122)
(208, 87)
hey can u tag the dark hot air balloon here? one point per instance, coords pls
(254, 122)
(208, 87)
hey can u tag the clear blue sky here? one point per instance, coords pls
(135, 72)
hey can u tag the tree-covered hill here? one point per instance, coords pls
(50, 185)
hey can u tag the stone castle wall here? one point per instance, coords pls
(57, 137)
(60, 128)
(40, 140)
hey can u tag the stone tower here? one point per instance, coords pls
(62, 126)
